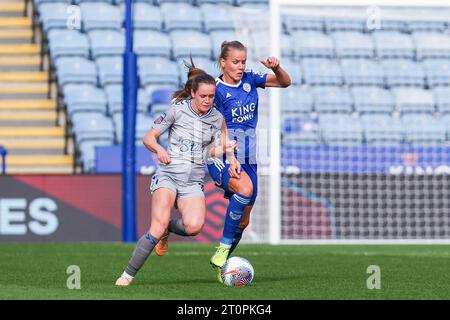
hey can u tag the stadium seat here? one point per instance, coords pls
(287, 50)
(97, 15)
(152, 43)
(432, 45)
(216, 17)
(181, 16)
(296, 100)
(332, 99)
(361, 72)
(442, 98)
(160, 100)
(145, 16)
(372, 100)
(75, 70)
(54, 16)
(114, 96)
(382, 129)
(190, 43)
(393, 25)
(92, 126)
(423, 129)
(68, 43)
(414, 100)
(160, 2)
(423, 25)
(106, 43)
(84, 98)
(437, 72)
(143, 124)
(402, 72)
(226, 2)
(312, 44)
(291, 67)
(300, 131)
(341, 129)
(158, 70)
(393, 44)
(446, 122)
(344, 24)
(217, 37)
(88, 153)
(294, 22)
(110, 70)
(350, 44)
(321, 72)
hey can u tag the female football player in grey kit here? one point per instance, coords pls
(197, 131)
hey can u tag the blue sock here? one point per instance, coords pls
(233, 218)
(237, 238)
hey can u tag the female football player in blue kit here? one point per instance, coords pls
(236, 98)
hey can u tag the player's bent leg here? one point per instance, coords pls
(193, 214)
(162, 202)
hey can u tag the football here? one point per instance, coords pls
(237, 272)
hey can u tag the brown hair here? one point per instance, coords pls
(226, 46)
(196, 76)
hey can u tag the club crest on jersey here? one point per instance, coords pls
(247, 87)
(159, 119)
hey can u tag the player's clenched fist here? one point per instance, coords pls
(271, 62)
(163, 156)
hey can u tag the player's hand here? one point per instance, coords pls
(234, 169)
(163, 157)
(271, 63)
(231, 146)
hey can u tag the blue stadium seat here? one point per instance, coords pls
(414, 100)
(422, 25)
(402, 72)
(92, 126)
(437, 72)
(114, 96)
(350, 44)
(423, 129)
(107, 43)
(301, 131)
(293, 23)
(84, 98)
(226, 2)
(312, 44)
(160, 101)
(442, 98)
(88, 153)
(97, 15)
(152, 43)
(393, 25)
(372, 100)
(143, 124)
(432, 45)
(181, 16)
(75, 70)
(393, 44)
(110, 70)
(321, 72)
(341, 129)
(216, 17)
(160, 2)
(54, 16)
(286, 48)
(296, 100)
(146, 16)
(158, 71)
(291, 67)
(344, 24)
(68, 43)
(360, 72)
(382, 129)
(446, 122)
(332, 99)
(187, 43)
(207, 65)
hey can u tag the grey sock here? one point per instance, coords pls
(177, 226)
(143, 249)
(237, 238)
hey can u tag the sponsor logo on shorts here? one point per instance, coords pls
(235, 216)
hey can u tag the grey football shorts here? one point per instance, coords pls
(183, 191)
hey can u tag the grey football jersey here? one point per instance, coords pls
(188, 137)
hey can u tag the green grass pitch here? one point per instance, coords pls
(292, 272)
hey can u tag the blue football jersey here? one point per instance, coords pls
(239, 105)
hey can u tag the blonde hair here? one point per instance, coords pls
(225, 47)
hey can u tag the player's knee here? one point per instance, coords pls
(193, 228)
(246, 189)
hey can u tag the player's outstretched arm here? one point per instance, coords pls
(280, 78)
(151, 142)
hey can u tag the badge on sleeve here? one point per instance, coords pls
(159, 119)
